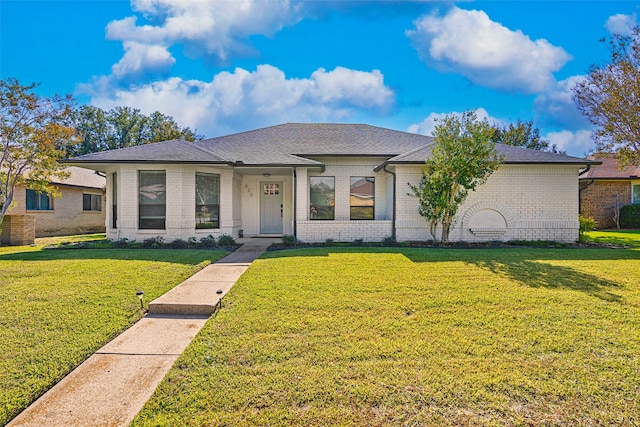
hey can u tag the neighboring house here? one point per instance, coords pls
(80, 209)
(321, 181)
(605, 187)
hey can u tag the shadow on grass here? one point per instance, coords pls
(541, 275)
(179, 256)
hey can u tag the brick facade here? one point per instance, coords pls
(18, 230)
(598, 199)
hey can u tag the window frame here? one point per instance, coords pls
(151, 222)
(92, 198)
(214, 208)
(371, 179)
(114, 201)
(315, 208)
(635, 200)
(40, 197)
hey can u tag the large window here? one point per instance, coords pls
(91, 202)
(152, 200)
(38, 201)
(322, 194)
(207, 200)
(114, 202)
(362, 197)
(636, 193)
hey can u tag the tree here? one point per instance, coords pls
(31, 133)
(121, 127)
(463, 156)
(609, 97)
(522, 134)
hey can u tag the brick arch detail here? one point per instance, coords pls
(508, 216)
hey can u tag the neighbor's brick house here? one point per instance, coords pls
(602, 185)
(307, 180)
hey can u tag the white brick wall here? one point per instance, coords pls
(539, 203)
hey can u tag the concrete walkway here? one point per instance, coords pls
(113, 385)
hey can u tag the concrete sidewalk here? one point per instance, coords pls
(113, 385)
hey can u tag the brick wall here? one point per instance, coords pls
(67, 216)
(18, 230)
(598, 200)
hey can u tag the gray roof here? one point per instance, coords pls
(80, 177)
(298, 144)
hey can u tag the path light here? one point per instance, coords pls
(139, 295)
(219, 292)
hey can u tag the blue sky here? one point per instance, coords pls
(229, 66)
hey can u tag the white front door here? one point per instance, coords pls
(271, 208)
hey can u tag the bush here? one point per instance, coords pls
(207, 242)
(178, 244)
(587, 224)
(153, 242)
(122, 243)
(226, 240)
(389, 241)
(329, 241)
(289, 240)
(357, 242)
(630, 216)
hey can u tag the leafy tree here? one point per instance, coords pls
(121, 127)
(608, 97)
(31, 132)
(463, 156)
(522, 134)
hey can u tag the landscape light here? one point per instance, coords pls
(139, 295)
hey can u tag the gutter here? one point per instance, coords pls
(393, 214)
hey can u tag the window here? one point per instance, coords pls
(322, 196)
(38, 201)
(114, 202)
(91, 202)
(362, 197)
(207, 200)
(152, 200)
(636, 193)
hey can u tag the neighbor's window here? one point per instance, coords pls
(91, 202)
(207, 200)
(362, 197)
(38, 201)
(322, 195)
(114, 202)
(636, 193)
(152, 209)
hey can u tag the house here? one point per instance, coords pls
(79, 209)
(321, 181)
(605, 188)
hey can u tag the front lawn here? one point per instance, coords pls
(408, 337)
(57, 307)
(618, 237)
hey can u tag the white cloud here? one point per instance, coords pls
(427, 126)
(239, 100)
(142, 58)
(554, 107)
(577, 143)
(485, 52)
(622, 24)
(213, 29)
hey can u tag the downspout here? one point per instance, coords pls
(393, 214)
(582, 188)
(295, 192)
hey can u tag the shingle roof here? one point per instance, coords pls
(297, 144)
(609, 169)
(80, 177)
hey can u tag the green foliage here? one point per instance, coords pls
(608, 97)
(121, 127)
(630, 216)
(226, 240)
(463, 156)
(416, 337)
(289, 240)
(153, 242)
(586, 224)
(630, 238)
(522, 134)
(31, 132)
(207, 242)
(57, 307)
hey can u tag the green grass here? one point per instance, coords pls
(412, 337)
(57, 307)
(618, 237)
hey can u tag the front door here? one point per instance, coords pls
(271, 209)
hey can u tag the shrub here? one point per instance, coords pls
(289, 240)
(178, 244)
(329, 241)
(226, 240)
(153, 242)
(389, 241)
(207, 242)
(357, 242)
(587, 224)
(192, 242)
(630, 216)
(122, 243)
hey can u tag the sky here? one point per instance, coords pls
(222, 67)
